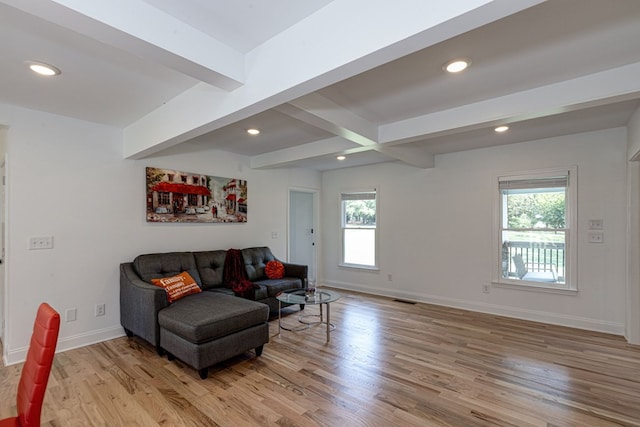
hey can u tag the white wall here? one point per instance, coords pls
(632, 333)
(633, 128)
(67, 179)
(633, 244)
(436, 230)
(3, 138)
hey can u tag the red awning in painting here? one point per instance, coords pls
(231, 196)
(169, 187)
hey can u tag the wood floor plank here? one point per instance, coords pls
(388, 364)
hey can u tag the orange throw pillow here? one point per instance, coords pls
(274, 270)
(178, 286)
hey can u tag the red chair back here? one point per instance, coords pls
(36, 369)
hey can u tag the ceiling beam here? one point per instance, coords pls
(137, 27)
(614, 85)
(339, 41)
(318, 111)
(286, 156)
(414, 156)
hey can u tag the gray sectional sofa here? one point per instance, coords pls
(205, 328)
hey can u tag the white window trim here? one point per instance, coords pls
(571, 246)
(341, 262)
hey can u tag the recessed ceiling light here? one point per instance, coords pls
(43, 69)
(457, 65)
(341, 157)
(501, 129)
(253, 131)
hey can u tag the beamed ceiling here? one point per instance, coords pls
(321, 78)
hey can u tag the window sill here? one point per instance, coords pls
(533, 287)
(360, 267)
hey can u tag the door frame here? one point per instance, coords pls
(315, 222)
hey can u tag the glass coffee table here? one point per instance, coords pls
(299, 296)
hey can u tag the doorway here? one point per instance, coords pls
(303, 229)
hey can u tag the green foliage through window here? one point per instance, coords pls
(536, 210)
(360, 212)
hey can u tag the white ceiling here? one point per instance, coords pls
(242, 25)
(321, 78)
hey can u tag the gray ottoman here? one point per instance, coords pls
(209, 327)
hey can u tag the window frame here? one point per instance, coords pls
(343, 227)
(571, 231)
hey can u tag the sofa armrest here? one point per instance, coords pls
(296, 270)
(140, 303)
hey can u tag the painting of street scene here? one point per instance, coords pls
(175, 196)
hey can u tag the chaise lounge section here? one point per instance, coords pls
(211, 327)
(207, 327)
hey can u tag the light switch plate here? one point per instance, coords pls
(596, 224)
(44, 242)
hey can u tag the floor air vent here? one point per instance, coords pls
(404, 301)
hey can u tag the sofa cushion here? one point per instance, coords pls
(255, 260)
(210, 315)
(210, 265)
(156, 266)
(225, 291)
(259, 293)
(178, 286)
(274, 286)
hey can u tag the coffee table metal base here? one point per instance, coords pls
(303, 319)
(306, 324)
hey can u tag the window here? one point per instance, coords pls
(536, 213)
(164, 198)
(359, 228)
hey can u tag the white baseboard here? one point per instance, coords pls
(518, 313)
(69, 343)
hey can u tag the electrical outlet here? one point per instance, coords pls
(486, 288)
(596, 237)
(70, 314)
(100, 309)
(390, 277)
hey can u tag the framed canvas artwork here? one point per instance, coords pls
(176, 196)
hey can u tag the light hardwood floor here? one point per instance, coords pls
(388, 364)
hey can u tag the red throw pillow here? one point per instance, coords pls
(178, 286)
(274, 270)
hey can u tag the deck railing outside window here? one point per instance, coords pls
(538, 257)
